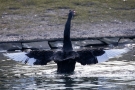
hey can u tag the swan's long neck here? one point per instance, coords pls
(67, 45)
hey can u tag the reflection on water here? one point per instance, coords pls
(117, 73)
(103, 76)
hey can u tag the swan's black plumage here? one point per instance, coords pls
(66, 58)
(87, 57)
(42, 57)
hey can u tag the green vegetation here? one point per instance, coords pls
(87, 10)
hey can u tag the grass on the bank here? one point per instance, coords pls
(87, 10)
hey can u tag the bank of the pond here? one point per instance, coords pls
(54, 31)
(45, 19)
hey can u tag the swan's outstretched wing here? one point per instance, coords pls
(21, 57)
(42, 57)
(89, 56)
(97, 56)
(32, 58)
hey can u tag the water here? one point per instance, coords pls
(114, 73)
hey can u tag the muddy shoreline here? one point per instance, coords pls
(40, 26)
(55, 31)
(36, 20)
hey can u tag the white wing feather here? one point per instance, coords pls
(20, 56)
(112, 53)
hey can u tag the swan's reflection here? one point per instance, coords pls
(66, 82)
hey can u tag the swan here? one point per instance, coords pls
(66, 58)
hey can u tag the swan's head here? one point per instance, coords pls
(71, 13)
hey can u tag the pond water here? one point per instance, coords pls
(117, 72)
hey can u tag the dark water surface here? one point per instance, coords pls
(117, 73)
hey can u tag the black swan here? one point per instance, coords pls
(67, 57)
